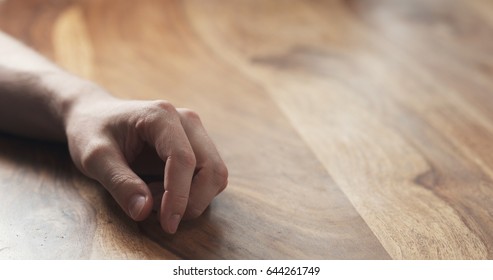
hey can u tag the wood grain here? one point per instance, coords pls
(352, 129)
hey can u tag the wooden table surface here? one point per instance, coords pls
(356, 129)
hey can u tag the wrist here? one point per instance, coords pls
(71, 93)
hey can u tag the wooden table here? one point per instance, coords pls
(351, 129)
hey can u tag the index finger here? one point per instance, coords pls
(161, 127)
(178, 175)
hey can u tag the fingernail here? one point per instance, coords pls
(136, 206)
(173, 223)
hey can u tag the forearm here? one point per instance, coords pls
(35, 94)
(106, 135)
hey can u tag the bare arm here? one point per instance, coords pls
(106, 134)
(35, 94)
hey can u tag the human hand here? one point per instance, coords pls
(106, 134)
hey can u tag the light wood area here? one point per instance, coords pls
(357, 129)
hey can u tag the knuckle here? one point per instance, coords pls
(190, 115)
(185, 158)
(91, 154)
(220, 175)
(223, 186)
(179, 200)
(157, 109)
(164, 105)
(119, 181)
(154, 115)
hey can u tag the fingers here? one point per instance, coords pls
(177, 180)
(162, 127)
(105, 163)
(211, 172)
(183, 144)
(194, 173)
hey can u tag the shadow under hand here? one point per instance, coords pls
(200, 238)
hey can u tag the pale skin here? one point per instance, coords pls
(112, 140)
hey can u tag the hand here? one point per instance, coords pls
(105, 135)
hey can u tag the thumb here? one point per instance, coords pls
(108, 165)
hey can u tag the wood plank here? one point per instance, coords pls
(281, 202)
(402, 128)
